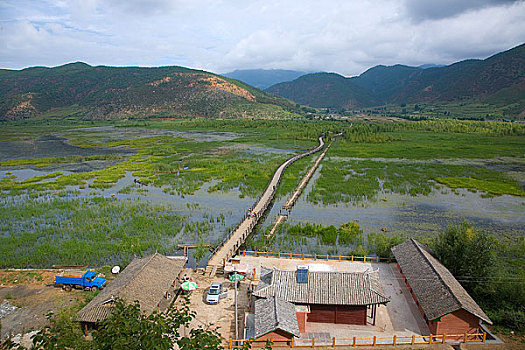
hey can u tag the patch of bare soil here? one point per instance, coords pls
(33, 294)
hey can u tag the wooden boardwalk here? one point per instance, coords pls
(281, 218)
(237, 237)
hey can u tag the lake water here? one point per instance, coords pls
(51, 146)
(420, 216)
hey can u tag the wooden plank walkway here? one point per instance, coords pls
(281, 218)
(228, 248)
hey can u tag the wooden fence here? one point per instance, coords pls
(303, 256)
(358, 341)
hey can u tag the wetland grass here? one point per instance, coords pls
(360, 180)
(95, 231)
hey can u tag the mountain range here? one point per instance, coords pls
(81, 90)
(264, 78)
(498, 80)
(78, 89)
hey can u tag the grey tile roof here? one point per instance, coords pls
(327, 288)
(144, 279)
(273, 314)
(436, 289)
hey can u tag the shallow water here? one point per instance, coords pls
(51, 146)
(419, 216)
(394, 213)
(111, 133)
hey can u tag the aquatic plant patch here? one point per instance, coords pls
(493, 187)
(360, 180)
(93, 231)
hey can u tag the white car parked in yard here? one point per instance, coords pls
(215, 293)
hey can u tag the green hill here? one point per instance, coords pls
(108, 92)
(498, 81)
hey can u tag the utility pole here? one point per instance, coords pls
(236, 318)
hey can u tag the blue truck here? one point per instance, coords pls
(88, 280)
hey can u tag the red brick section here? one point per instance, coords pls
(301, 320)
(458, 322)
(277, 336)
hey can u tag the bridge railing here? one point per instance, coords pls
(393, 340)
(306, 256)
(265, 206)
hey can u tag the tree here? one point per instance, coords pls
(469, 254)
(350, 233)
(382, 245)
(129, 328)
(63, 332)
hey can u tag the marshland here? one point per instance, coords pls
(103, 192)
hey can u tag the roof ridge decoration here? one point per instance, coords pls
(276, 311)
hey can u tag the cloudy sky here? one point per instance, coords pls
(344, 36)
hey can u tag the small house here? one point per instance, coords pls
(304, 296)
(445, 305)
(152, 281)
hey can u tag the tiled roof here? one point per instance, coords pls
(327, 288)
(145, 279)
(275, 314)
(436, 289)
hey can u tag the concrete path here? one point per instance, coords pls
(243, 230)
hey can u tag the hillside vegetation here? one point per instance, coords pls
(498, 81)
(78, 89)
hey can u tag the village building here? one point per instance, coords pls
(287, 300)
(445, 305)
(152, 281)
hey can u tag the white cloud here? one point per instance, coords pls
(346, 37)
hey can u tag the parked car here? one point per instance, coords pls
(215, 293)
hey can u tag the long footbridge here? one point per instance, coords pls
(237, 237)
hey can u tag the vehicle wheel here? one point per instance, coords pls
(94, 289)
(67, 288)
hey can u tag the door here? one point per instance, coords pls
(322, 313)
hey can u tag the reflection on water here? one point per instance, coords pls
(111, 133)
(51, 146)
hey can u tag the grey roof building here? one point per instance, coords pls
(274, 314)
(327, 288)
(435, 289)
(147, 280)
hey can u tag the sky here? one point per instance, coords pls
(344, 36)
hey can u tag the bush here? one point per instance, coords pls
(510, 318)
(360, 250)
(382, 245)
(350, 233)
